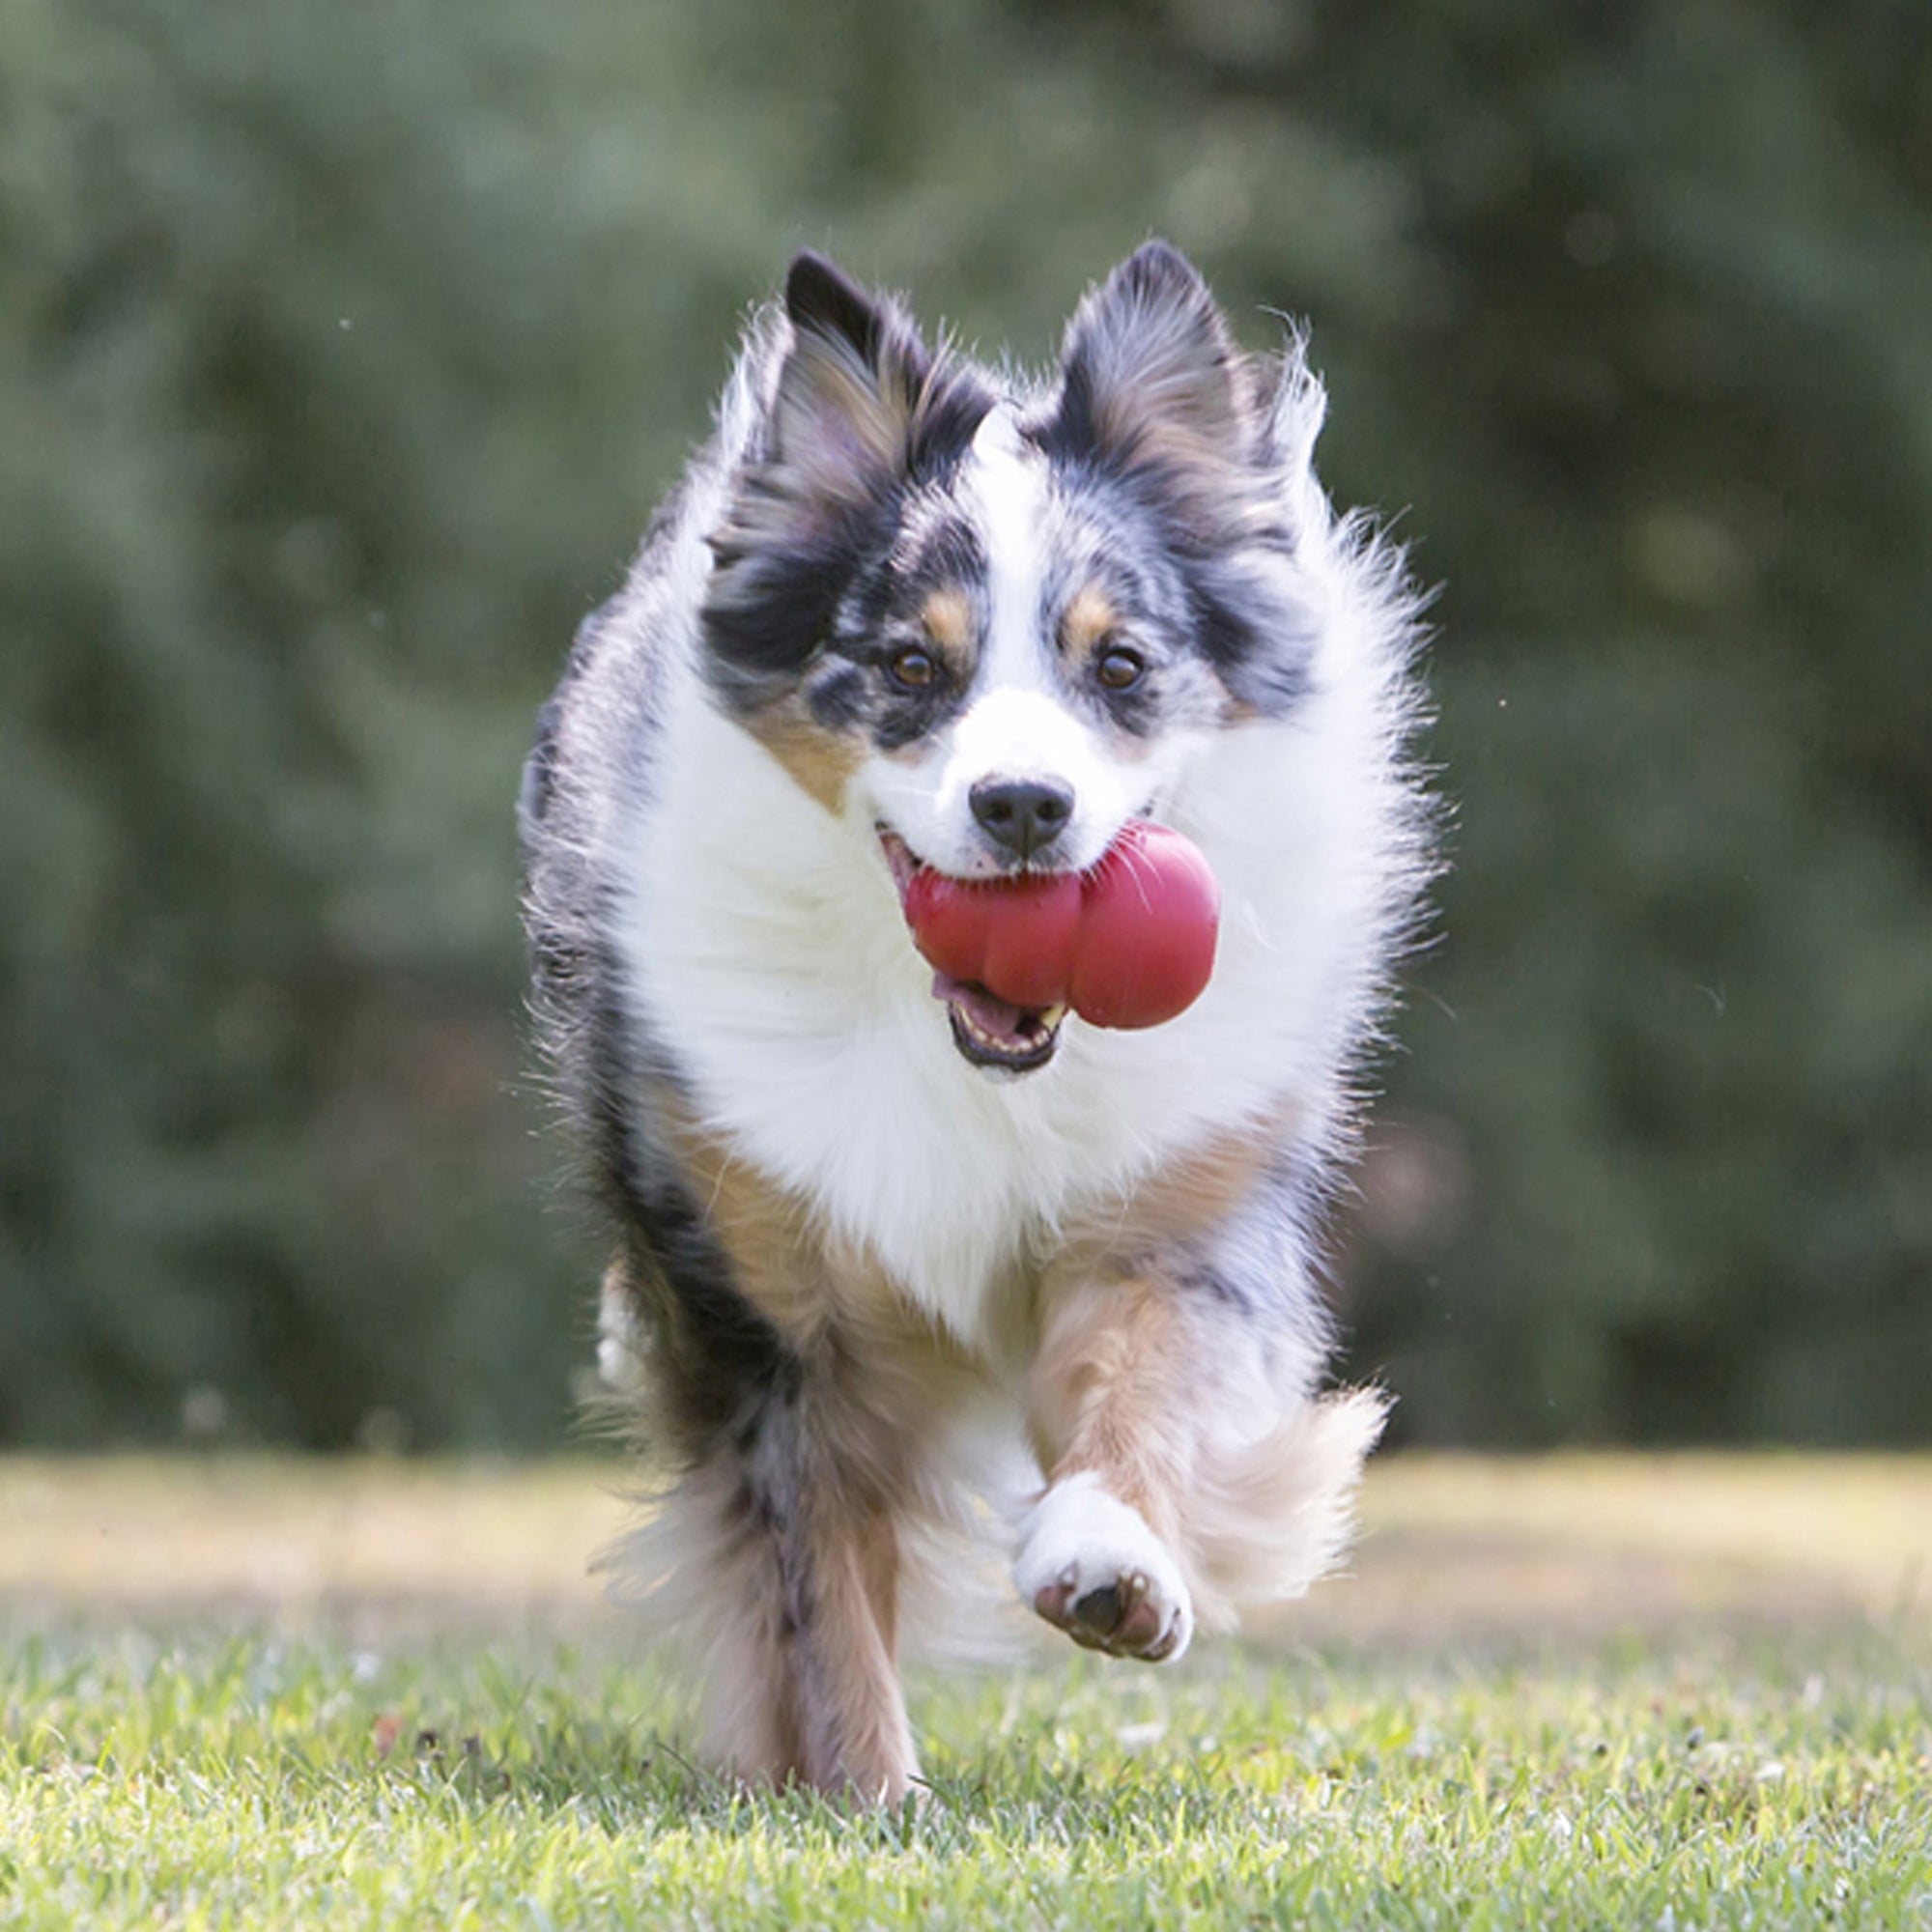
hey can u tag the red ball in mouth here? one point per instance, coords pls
(1150, 915)
(1129, 944)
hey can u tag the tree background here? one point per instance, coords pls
(344, 350)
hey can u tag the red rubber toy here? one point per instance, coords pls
(1129, 944)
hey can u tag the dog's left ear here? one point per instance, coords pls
(1150, 370)
(1154, 390)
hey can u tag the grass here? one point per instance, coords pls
(280, 1694)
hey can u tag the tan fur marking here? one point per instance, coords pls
(1187, 1199)
(805, 1280)
(751, 1715)
(946, 616)
(822, 761)
(829, 377)
(821, 1703)
(1087, 621)
(778, 1257)
(860, 1738)
(1109, 1383)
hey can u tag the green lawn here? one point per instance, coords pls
(1625, 1693)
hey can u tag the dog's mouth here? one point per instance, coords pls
(992, 1032)
(989, 1032)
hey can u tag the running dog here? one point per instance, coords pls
(881, 1231)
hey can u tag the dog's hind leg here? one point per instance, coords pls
(776, 1551)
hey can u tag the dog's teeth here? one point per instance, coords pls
(1003, 1047)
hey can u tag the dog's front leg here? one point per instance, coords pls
(800, 1616)
(1116, 1434)
(1192, 1469)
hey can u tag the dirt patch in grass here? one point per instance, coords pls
(1458, 1549)
(1455, 1549)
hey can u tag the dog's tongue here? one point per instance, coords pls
(1005, 1022)
(1129, 944)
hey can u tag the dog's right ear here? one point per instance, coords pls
(822, 301)
(858, 409)
(849, 390)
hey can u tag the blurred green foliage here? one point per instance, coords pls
(344, 350)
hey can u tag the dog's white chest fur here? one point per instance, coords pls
(766, 950)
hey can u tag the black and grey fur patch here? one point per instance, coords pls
(865, 421)
(588, 769)
(1160, 436)
(934, 552)
(1106, 545)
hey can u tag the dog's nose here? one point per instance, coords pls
(1022, 814)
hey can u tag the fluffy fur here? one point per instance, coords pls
(863, 1276)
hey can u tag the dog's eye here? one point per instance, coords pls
(912, 668)
(1119, 669)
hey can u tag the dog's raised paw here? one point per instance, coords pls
(1091, 1566)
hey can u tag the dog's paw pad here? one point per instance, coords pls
(1091, 1567)
(1101, 1613)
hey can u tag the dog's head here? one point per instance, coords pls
(991, 626)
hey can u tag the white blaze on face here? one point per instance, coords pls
(1018, 721)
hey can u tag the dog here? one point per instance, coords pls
(879, 1249)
